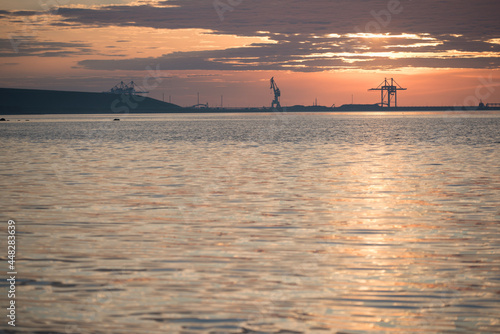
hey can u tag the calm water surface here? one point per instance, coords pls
(254, 223)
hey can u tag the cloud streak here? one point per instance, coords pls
(308, 54)
(32, 47)
(473, 18)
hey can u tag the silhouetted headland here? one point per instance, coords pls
(34, 101)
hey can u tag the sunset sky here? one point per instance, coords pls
(445, 52)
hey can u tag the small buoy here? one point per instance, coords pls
(116, 119)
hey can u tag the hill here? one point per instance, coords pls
(33, 101)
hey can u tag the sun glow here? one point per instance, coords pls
(494, 41)
(399, 55)
(416, 45)
(388, 35)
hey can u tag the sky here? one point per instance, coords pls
(445, 52)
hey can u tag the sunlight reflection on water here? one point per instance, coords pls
(242, 223)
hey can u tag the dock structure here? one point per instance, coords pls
(123, 88)
(388, 90)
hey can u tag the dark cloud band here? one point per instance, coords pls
(308, 36)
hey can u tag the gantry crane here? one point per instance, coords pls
(276, 102)
(387, 91)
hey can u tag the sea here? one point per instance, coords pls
(252, 222)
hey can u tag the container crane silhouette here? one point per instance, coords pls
(388, 90)
(276, 102)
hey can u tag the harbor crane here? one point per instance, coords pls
(276, 102)
(387, 91)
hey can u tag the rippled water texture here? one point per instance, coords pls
(254, 223)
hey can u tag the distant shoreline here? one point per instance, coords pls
(15, 101)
